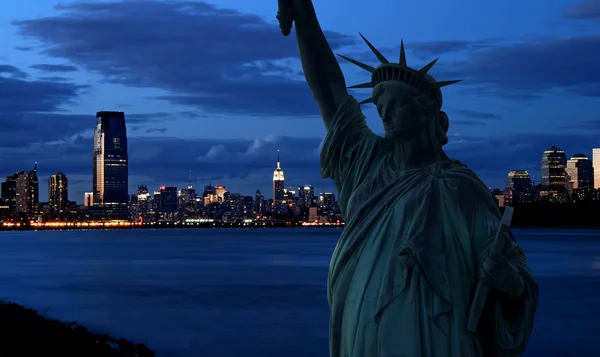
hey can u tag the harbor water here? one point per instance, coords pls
(254, 292)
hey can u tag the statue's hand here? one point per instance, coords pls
(285, 15)
(498, 271)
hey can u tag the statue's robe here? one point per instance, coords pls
(406, 266)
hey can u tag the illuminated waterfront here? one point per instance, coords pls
(192, 223)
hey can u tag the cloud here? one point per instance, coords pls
(22, 130)
(476, 114)
(54, 67)
(593, 125)
(215, 153)
(156, 130)
(253, 152)
(467, 122)
(32, 115)
(211, 58)
(512, 71)
(54, 79)
(35, 96)
(425, 50)
(31, 110)
(525, 70)
(584, 10)
(145, 118)
(223, 61)
(11, 71)
(259, 144)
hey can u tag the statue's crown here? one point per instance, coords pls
(387, 71)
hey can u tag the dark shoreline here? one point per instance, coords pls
(26, 333)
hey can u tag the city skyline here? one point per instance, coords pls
(558, 171)
(521, 92)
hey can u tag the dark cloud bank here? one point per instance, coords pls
(220, 60)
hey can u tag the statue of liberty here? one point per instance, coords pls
(422, 230)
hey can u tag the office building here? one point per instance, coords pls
(209, 195)
(306, 195)
(580, 178)
(27, 191)
(259, 203)
(88, 199)
(143, 199)
(110, 165)
(9, 192)
(518, 188)
(220, 192)
(58, 192)
(167, 202)
(554, 163)
(580, 172)
(188, 202)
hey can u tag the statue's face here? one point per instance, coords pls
(397, 108)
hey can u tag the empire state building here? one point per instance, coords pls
(278, 182)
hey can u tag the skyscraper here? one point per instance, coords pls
(326, 201)
(58, 192)
(278, 183)
(596, 165)
(110, 176)
(27, 190)
(580, 173)
(88, 199)
(187, 201)
(306, 195)
(518, 188)
(554, 163)
(9, 191)
(220, 190)
(167, 202)
(259, 202)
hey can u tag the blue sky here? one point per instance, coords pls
(213, 87)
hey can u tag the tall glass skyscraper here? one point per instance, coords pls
(110, 176)
(554, 164)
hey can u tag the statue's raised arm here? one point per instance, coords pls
(321, 69)
(349, 140)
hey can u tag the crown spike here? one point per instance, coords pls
(441, 84)
(366, 101)
(423, 71)
(381, 58)
(402, 54)
(362, 85)
(359, 64)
